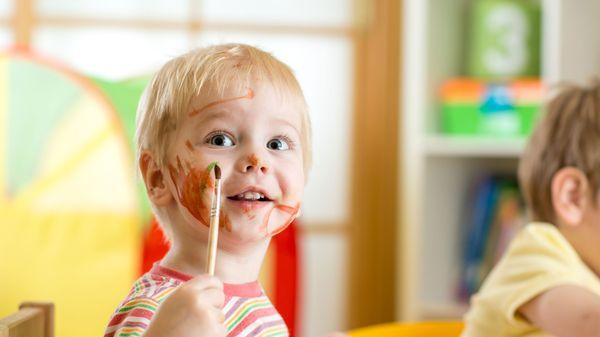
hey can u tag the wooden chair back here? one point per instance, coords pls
(32, 320)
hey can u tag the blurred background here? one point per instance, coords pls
(75, 227)
(420, 110)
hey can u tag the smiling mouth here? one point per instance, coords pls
(250, 196)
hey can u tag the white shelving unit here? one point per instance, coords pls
(439, 170)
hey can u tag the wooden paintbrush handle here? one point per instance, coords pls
(213, 236)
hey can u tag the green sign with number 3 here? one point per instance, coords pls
(504, 39)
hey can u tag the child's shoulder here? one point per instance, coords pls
(541, 238)
(539, 257)
(153, 286)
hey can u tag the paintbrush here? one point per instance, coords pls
(213, 235)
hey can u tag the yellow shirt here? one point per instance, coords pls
(538, 259)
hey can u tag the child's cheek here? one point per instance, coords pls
(224, 221)
(285, 210)
(194, 185)
(279, 218)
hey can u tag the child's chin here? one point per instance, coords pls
(245, 231)
(239, 238)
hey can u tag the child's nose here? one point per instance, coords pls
(254, 163)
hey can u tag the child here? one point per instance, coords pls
(242, 108)
(548, 281)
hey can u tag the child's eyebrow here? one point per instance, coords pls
(215, 114)
(249, 95)
(287, 123)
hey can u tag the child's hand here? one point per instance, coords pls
(193, 309)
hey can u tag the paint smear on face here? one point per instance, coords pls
(195, 182)
(283, 210)
(189, 145)
(253, 159)
(179, 165)
(224, 221)
(249, 95)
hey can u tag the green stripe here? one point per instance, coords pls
(245, 312)
(149, 307)
(277, 333)
(130, 334)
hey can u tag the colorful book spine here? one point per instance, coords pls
(494, 214)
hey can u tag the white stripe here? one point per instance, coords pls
(132, 319)
(259, 322)
(262, 302)
(230, 304)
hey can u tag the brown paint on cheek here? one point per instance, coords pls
(191, 194)
(225, 222)
(174, 174)
(206, 181)
(292, 211)
(194, 185)
(179, 165)
(188, 166)
(189, 145)
(249, 95)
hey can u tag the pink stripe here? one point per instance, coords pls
(137, 312)
(157, 269)
(250, 289)
(237, 304)
(135, 325)
(128, 325)
(259, 329)
(251, 318)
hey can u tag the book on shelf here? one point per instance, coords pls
(494, 214)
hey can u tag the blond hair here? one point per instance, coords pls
(210, 70)
(568, 136)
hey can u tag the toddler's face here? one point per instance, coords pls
(255, 138)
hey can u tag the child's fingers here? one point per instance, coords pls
(205, 281)
(218, 315)
(213, 297)
(203, 290)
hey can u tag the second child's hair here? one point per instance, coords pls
(567, 136)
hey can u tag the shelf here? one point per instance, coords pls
(475, 146)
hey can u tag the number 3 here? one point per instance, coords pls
(508, 54)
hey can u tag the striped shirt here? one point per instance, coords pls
(248, 311)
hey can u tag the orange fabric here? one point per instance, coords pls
(420, 329)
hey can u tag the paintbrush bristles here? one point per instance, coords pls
(217, 172)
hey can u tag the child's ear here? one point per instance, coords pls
(570, 192)
(154, 179)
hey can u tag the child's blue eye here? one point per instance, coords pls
(221, 140)
(278, 144)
